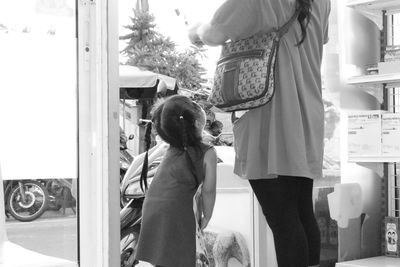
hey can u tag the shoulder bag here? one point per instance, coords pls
(245, 73)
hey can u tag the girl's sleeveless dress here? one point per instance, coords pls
(167, 235)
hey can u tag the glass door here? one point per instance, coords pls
(39, 129)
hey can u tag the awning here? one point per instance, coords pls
(136, 83)
(133, 77)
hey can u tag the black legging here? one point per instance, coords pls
(288, 207)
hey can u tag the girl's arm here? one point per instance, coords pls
(208, 191)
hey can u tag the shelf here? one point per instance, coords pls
(373, 159)
(381, 261)
(392, 79)
(372, 9)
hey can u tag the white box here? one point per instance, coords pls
(364, 133)
(391, 134)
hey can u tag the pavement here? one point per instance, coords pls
(53, 234)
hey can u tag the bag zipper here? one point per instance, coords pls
(245, 54)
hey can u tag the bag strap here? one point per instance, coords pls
(284, 29)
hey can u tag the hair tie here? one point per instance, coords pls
(145, 121)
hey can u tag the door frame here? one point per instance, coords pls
(98, 107)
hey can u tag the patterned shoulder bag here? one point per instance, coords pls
(245, 73)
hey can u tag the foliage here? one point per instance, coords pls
(148, 49)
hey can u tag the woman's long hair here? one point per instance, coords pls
(304, 17)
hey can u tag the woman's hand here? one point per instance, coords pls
(194, 35)
(204, 34)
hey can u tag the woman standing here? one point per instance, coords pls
(279, 146)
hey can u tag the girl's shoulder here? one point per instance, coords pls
(198, 152)
(205, 146)
(209, 152)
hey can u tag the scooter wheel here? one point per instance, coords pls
(128, 246)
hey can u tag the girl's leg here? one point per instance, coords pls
(307, 217)
(278, 199)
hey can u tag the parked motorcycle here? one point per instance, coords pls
(125, 159)
(25, 200)
(132, 197)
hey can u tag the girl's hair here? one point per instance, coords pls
(304, 17)
(174, 120)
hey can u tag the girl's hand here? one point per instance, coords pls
(209, 187)
(204, 223)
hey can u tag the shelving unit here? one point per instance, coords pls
(392, 79)
(377, 11)
(374, 159)
(373, 9)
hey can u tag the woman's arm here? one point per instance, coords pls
(233, 20)
(200, 34)
(209, 190)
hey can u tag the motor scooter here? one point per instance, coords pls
(125, 158)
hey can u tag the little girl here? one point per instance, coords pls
(167, 236)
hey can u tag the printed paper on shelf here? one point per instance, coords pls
(391, 134)
(364, 133)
